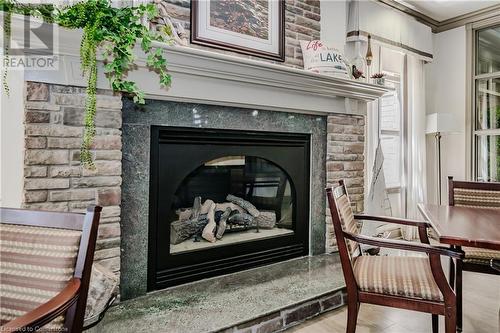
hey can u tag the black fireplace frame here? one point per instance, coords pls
(165, 269)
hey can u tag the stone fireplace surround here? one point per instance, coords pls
(227, 92)
(136, 138)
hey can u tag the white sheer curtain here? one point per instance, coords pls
(416, 179)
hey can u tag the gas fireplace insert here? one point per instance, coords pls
(225, 200)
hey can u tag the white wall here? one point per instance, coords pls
(334, 22)
(446, 92)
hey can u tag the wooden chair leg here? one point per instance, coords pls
(452, 273)
(458, 292)
(435, 323)
(450, 320)
(352, 316)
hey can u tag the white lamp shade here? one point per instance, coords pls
(440, 122)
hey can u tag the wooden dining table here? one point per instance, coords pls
(463, 226)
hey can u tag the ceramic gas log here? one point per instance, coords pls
(211, 221)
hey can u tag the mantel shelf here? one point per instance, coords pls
(211, 64)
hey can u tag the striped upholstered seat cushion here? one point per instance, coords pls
(476, 198)
(480, 256)
(399, 276)
(35, 265)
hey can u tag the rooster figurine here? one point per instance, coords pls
(357, 73)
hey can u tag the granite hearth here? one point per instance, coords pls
(264, 299)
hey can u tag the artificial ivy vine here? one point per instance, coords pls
(115, 32)
(6, 28)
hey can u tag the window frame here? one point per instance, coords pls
(472, 31)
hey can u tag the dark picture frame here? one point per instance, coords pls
(198, 38)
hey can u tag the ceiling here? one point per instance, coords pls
(441, 10)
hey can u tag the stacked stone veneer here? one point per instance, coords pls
(53, 177)
(345, 160)
(302, 22)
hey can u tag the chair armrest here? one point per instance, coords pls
(46, 312)
(403, 245)
(395, 220)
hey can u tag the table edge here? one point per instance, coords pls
(483, 244)
(425, 213)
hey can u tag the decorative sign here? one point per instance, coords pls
(323, 59)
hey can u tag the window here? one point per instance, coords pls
(385, 121)
(391, 135)
(486, 117)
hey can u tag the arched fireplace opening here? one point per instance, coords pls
(231, 199)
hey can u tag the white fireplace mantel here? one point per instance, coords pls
(202, 76)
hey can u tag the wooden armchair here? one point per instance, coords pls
(46, 260)
(413, 283)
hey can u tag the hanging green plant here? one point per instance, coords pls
(7, 32)
(115, 32)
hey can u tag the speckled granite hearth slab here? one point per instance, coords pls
(263, 299)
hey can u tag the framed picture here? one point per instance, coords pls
(254, 27)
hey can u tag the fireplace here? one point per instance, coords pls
(225, 200)
(291, 142)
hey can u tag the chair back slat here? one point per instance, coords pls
(474, 194)
(75, 315)
(72, 221)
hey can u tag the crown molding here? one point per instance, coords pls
(422, 18)
(479, 15)
(448, 24)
